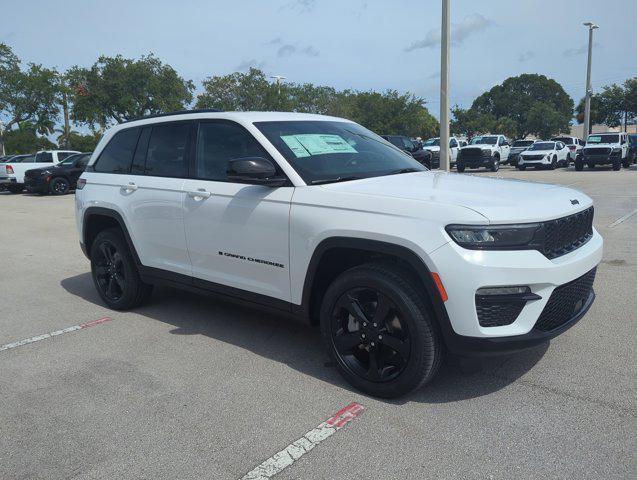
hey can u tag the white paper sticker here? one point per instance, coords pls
(317, 144)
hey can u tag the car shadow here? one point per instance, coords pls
(300, 346)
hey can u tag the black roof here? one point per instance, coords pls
(176, 112)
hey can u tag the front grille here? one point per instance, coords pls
(497, 314)
(566, 302)
(566, 234)
(597, 151)
(471, 152)
(532, 157)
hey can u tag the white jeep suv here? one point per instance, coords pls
(318, 217)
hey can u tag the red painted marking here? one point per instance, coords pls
(95, 322)
(345, 415)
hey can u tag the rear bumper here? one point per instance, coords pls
(8, 181)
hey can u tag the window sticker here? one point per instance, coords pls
(317, 144)
(597, 139)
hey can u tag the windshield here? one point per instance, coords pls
(324, 151)
(484, 141)
(522, 143)
(543, 146)
(602, 139)
(432, 142)
(70, 160)
(565, 140)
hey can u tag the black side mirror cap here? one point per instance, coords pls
(254, 170)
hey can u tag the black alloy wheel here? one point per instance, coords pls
(369, 336)
(109, 271)
(59, 186)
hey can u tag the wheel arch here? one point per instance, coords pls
(355, 251)
(96, 219)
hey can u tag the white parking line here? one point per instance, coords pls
(622, 219)
(44, 336)
(290, 454)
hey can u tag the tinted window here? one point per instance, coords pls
(218, 143)
(453, 143)
(565, 140)
(522, 143)
(63, 155)
(397, 141)
(408, 143)
(82, 161)
(29, 159)
(166, 155)
(118, 154)
(44, 157)
(139, 159)
(542, 146)
(326, 151)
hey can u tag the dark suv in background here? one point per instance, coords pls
(408, 145)
(57, 179)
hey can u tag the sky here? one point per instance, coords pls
(358, 44)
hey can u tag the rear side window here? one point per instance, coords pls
(166, 156)
(63, 155)
(44, 157)
(218, 143)
(117, 156)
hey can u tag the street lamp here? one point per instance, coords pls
(444, 87)
(277, 79)
(589, 90)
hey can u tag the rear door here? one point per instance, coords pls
(147, 166)
(237, 233)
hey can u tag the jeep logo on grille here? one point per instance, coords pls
(574, 202)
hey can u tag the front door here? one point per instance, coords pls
(237, 234)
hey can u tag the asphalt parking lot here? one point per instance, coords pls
(189, 387)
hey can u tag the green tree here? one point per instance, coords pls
(470, 122)
(82, 143)
(25, 139)
(117, 89)
(544, 121)
(596, 116)
(242, 91)
(516, 96)
(27, 95)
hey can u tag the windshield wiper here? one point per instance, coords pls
(405, 170)
(321, 181)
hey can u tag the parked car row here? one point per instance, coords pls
(52, 172)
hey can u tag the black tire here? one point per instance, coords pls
(626, 163)
(406, 352)
(59, 186)
(460, 168)
(495, 164)
(591, 165)
(579, 165)
(521, 167)
(14, 189)
(553, 163)
(114, 272)
(617, 165)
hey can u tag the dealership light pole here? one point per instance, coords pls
(444, 87)
(589, 89)
(277, 79)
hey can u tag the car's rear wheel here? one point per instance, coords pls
(579, 165)
(114, 272)
(460, 168)
(522, 167)
(14, 189)
(379, 331)
(59, 186)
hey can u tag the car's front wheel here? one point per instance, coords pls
(495, 165)
(379, 331)
(59, 186)
(114, 272)
(460, 168)
(521, 167)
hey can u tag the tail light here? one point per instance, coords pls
(9, 169)
(80, 183)
(572, 147)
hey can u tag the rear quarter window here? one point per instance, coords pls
(117, 156)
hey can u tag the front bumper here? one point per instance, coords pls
(607, 159)
(481, 268)
(36, 185)
(475, 161)
(542, 161)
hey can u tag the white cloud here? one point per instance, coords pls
(572, 52)
(248, 64)
(459, 32)
(526, 56)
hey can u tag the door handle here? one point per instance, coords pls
(130, 187)
(199, 194)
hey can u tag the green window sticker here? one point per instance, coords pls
(316, 144)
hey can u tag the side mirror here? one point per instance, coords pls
(254, 170)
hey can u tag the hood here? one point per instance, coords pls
(518, 149)
(432, 148)
(536, 152)
(499, 200)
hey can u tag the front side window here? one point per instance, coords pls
(325, 151)
(117, 156)
(220, 142)
(453, 143)
(166, 156)
(432, 142)
(63, 155)
(71, 159)
(28, 159)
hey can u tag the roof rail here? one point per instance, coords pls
(176, 112)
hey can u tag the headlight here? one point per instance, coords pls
(45, 172)
(526, 236)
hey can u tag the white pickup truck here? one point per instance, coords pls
(12, 174)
